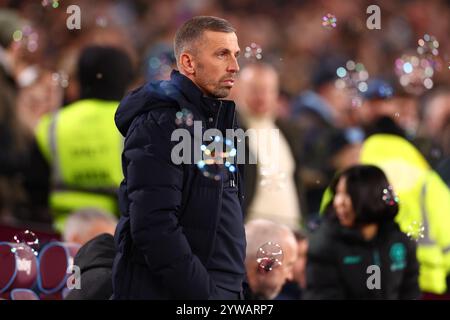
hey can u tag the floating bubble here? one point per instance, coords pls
(184, 118)
(214, 162)
(416, 231)
(428, 46)
(269, 256)
(389, 197)
(329, 21)
(407, 67)
(415, 73)
(26, 38)
(341, 72)
(61, 79)
(362, 86)
(253, 51)
(340, 84)
(159, 66)
(52, 3)
(428, 83)
(350, 65)
(353, 77)
(26, 238)
(17, 35)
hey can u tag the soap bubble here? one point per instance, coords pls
(416, 231)
(353, 77)
(215, 162)
(254, 51)
(329, 21)
(26, 238)
(184, 117)
(415, 73)
(269, 256)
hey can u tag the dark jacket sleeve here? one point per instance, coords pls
(409, 289)
(154, 186)
(323, 281)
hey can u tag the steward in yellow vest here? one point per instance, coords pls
(81, 141)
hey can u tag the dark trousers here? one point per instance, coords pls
(225, 294)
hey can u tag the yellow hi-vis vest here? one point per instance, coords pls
(83, 147)
(424, 200)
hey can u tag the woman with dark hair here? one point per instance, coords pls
(359, 252)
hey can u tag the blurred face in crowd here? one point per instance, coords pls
(437, 115)
(269, 283)
(96, 228)
(212, 64)
(340, 102)
(258, 90)
(43, 96)
(343, 204)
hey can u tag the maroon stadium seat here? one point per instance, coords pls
(54, 260)
(18, 267)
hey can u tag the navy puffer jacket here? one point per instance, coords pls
(169, 212)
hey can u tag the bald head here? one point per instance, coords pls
(87, 223)
(258, 90)
(268, 284)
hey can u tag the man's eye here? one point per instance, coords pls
(221, 54)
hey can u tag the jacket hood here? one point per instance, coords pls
(96, 253)
(141, 100)
(154, 95)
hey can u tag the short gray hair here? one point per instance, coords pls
(80, 221)
(192, 30)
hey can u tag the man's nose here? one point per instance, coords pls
(233, 67)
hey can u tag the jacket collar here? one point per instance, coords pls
(210, 106)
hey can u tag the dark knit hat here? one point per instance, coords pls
(104, 73)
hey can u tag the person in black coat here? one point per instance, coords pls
(181, 234)
(359, 252)
(95, 260)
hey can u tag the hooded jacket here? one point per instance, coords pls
(170, 212)
(343, 265)
(95, 260)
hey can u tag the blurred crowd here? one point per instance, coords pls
(51, 165)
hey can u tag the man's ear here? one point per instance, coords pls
(187, 63)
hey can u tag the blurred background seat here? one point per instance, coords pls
(55, 260)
